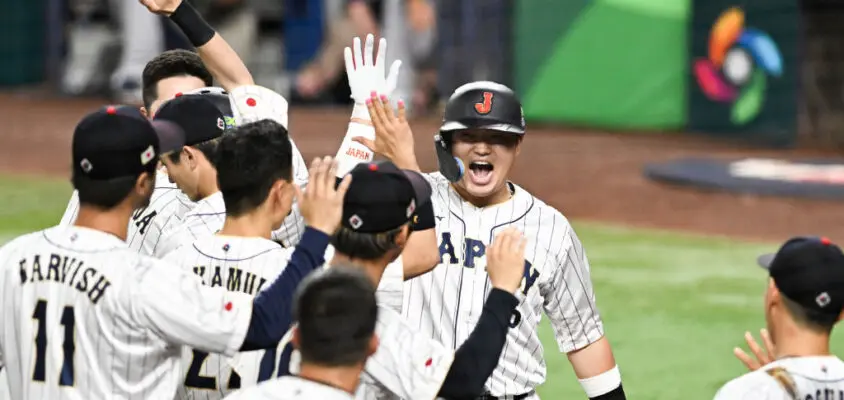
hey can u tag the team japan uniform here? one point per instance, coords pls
(290, 388)
(245, 265)
(85, 317)
(167, 206)
(446, 303)
(793, 378)
(407, 365)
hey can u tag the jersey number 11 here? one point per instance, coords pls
(68, 347)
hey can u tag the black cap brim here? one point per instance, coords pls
(765, 260)
(421, 187)
(170, 136)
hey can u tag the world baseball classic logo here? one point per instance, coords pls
(739, 63)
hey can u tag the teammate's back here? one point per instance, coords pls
(71, 313)
(815, 377)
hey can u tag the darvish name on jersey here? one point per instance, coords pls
(447, 302)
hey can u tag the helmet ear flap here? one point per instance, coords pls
(450, 166)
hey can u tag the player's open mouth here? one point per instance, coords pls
(480, 172)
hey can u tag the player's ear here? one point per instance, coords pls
(401, 238)
(373, 345)
(145, 183)
(144, 112)
(295, 339)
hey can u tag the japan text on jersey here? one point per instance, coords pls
(85, 317)
(447, 302)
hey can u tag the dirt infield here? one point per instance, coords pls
(587, 175)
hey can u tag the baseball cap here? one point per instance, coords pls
(199, 117)
(117, 141)
(810, 272)
(382, 197)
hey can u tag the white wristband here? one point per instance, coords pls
(601, 384)
(352, 153)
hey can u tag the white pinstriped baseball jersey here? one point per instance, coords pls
(290, 388)
(167, 206)
(85, 317)
(407, 364)
(812, 378)
(446, 303)
(238, 264)
(245, 265)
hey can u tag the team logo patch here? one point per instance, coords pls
(411, 208)
(147, 155)
(355, 222)
(823, 299)
(221, 124)
(485, 106)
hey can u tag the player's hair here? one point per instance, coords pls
(365, 246)
(105, 194)
(336, 312)
(170, 64)
(808, 318)
(249, 161)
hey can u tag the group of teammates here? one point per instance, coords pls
(182, 282)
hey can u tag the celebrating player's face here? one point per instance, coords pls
(184, 173)
(168, 88)
(488, 157)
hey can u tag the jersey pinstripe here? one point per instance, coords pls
(407, 364)
(238, 264)
(244, 265)
(446, 303)
(85, 317)
(812, 378)
(290, 388)
(167, 206)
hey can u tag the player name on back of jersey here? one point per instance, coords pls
(233, 279)
(66, 270)
(825, 394)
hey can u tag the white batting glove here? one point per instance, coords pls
(252, 103)
(366, 76)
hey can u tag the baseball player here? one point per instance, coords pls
(257, 196)
(473, 200)
(408, 364)
(804, 300)
(335, 334)
(86, 317)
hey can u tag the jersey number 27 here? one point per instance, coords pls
(67, 320)
(194, 380)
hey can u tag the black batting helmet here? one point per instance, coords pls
(220, 98)
(476, 105)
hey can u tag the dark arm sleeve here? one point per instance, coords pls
(475, 360)
(272, 313)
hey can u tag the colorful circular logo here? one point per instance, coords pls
(740, 60)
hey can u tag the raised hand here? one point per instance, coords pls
(505, 260)
(760, 357)
(393, 136)
(163, 7)
(321, 204)
(366, 75)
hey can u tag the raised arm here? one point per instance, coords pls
(570, 306)
(222, 61)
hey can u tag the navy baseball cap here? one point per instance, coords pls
(198, 116)
(810, 272)
(383, 197)
(117, 141)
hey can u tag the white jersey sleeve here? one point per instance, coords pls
(69, 216)
(205, 219)
(569, 296)
(178, 307)
(407, 363)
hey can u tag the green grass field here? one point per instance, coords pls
(673, 305)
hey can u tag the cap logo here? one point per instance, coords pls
(355, 222)
(147, 155)
(485, 106)
(86, 165)
(221, 124)
(823, 299)
(411, 208)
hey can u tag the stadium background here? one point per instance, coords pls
(609, 90)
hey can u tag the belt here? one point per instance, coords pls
(487, 396)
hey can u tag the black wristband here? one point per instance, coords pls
(615, 394)
(192, 25)
(424, 218)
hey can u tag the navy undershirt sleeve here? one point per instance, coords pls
(272, 312)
